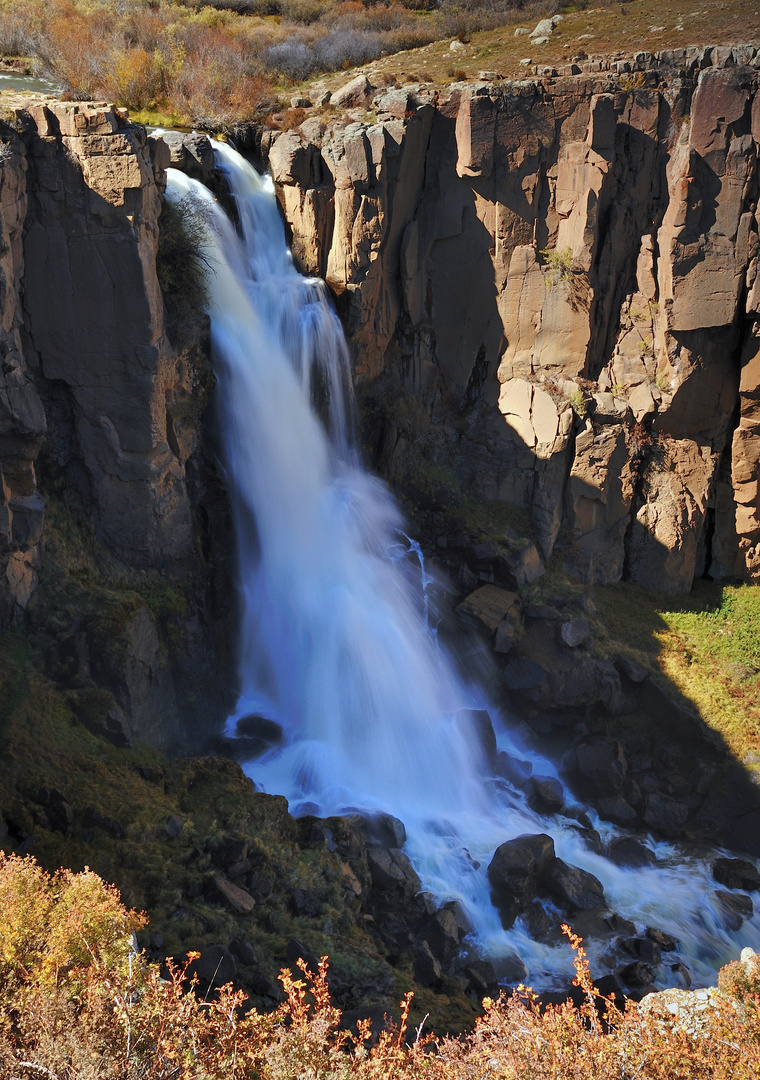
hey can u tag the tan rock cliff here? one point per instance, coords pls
(88, 371)
(589, 239)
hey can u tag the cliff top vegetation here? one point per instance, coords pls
(214, 63)
(77, 1001)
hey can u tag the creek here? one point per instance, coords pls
(337, 644)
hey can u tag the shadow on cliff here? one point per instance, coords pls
(671, 684)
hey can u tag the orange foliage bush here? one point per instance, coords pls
(213, 63)
(72, 48)
(77, 1002)
(132, 80)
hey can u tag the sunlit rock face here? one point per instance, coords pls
(588, 239)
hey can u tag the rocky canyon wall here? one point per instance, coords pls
(91, 383)
(562, 272)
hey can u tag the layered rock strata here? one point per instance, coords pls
(563, 272)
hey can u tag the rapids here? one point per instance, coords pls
(335, 644)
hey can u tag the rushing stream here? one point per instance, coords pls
(334, 642)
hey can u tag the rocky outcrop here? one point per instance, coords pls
(90, 381)
(97, 337)
(563, 272)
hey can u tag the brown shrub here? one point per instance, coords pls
(75, 1001)
(74, 48)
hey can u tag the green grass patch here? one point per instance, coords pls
(157, 118)
(706, 644)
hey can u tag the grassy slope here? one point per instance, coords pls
(639, 25)
(707, 645)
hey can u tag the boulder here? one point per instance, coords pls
(665, 815)
(637, 974)
(522, 566)
(545, 794)
(665, 941)
(487, 606)
(379, 830)
(516, 870)
(627, 851)
(644, 948)
(392, 874)
(352, 94)
(615, 808)
(260, 727)
(736, 874)
(575, 632)
(238, 900)
(573, 888)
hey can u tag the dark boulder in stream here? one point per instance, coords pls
(526, 868)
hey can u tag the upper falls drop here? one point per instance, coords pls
(334, 643)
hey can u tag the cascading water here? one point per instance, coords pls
(334, 642)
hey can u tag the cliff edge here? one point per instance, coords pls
(562, 273)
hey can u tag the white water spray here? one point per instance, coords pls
(334, 642)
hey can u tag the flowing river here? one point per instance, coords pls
(334, 643)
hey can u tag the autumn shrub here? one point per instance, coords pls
(132, 78)
(741, 978)
(294, 59)
(77, 1001)
(346, 48)
(74, 48)
(21, 26)
(56, 927)
(303, 11)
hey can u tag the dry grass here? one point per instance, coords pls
(629, 27)
(212, 66)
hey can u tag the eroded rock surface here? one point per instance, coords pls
(566, 268)
(88, 372)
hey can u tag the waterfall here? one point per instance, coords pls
(334, 643)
